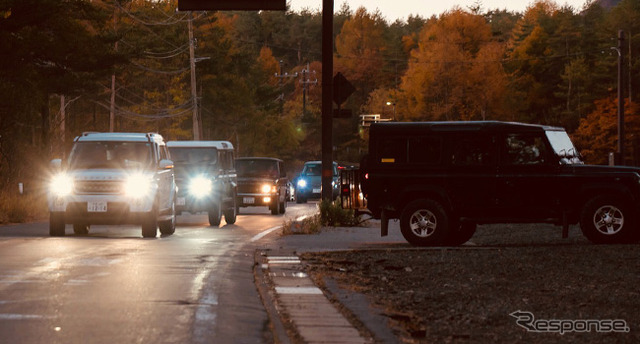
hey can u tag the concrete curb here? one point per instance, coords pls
(301, 306)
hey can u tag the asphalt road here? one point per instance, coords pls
(112, 286)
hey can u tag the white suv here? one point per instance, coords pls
(114, 178)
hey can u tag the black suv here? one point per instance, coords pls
(440, 179)
(206, 178)
(262, 182)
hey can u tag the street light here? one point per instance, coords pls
(390, 103)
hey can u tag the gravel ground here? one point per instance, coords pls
(469, 294)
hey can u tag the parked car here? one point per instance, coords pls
(441, 179)
(113, 178)
(206, 179)
(309, 181)
(262, 182)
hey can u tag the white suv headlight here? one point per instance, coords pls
(200, 186)
(138, 185)
(61, 185)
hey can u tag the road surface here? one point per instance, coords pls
(112, 286)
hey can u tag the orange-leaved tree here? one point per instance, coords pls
(597, 135)
(455, 73)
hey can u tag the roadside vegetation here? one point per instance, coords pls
(330, 214)
(124, 65)
(17, 208)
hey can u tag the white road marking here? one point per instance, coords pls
(299, 290)
(264, 233)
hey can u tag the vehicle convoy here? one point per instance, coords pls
(309, 181)
(262, 182)
(441, 179)
(113, 178)
(206, 179)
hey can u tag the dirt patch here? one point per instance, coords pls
(470, 294)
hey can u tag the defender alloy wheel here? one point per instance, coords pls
(424, 222)
(607, 220)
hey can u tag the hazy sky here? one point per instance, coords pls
(401, 9)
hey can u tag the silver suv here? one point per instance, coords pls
(113, 178)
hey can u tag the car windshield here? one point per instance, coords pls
(316, 169)
(194, 155)
(257, 168)
(563, 147)
(109, 154)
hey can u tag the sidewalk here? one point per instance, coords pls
(300, 312)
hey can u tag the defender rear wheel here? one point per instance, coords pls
(424, 222)
(56, 224)
(608, 220)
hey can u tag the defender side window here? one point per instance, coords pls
(472, 151)
(521, 149)
(425, 150)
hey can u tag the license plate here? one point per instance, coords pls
(316, 190)
(180, 201)
(97, 207)
(248, 200)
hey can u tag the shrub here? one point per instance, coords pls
(332, 214)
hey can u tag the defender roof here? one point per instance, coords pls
(404, 128)
(219, 145)
(132, 137)
(258, 158)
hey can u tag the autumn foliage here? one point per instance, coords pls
(73, 66)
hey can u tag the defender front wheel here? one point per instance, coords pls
(424, 222)
(608, 220)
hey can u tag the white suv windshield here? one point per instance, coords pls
(109, 154)
(563, 147)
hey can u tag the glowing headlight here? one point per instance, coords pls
(61, 185)
(137, 185)
(200, 187)
(266, 188)
(302, 183)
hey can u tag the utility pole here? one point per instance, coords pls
(112, 105)
(327, 99)
(197, 130)
(282, 77)
(305, 82)
(620, 99)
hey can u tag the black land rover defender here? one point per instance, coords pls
(441, 179)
